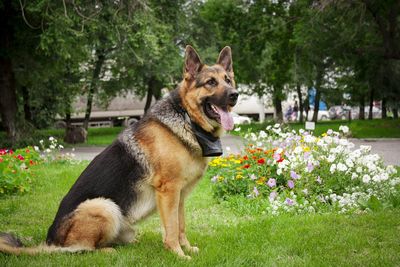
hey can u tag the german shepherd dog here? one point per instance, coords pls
(153, 164)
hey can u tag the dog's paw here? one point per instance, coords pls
(185, 257)
(193, 249)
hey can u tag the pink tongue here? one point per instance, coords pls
(226, 119)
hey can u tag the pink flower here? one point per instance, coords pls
(310, 167)
(273, 195)
(255, 191)
(289, 202)
(20, 157)
(294, 175)
(271, 182)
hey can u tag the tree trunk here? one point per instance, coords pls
(68, 115)
(395, 113)
(93, 86)
(318, 83)
(150, 89)
(384, 108)
(153, 89)
(301, 107)
(27, 106)
(371, 102)
(362, 108)
(278, 106)
(8, 96)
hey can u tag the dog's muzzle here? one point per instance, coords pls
(232, 97)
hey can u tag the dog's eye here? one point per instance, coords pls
(212, 82)
(227, 80)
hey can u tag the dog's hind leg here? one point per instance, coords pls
(94, 224)
(126, 234)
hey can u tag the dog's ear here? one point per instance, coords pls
(192, 62)
(225, 59)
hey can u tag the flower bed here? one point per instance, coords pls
(297, 172)
(16, 174)
(15, 169)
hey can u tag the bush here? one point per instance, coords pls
(16, 174)
(15, 169)
(297, 172)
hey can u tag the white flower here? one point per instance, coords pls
(61, 146)
(344, 129)
(354, 176)
(365, 148)
(343, 142)
(333, 168)
(268, 127)
(349, 163)
(298, 150)
(47, 150)
(237, 129)
(41, 141)
(277, 125)
(331, 158)
(263, 134)
(227, 148)
(51, 138)
(329, 132)
(36, 148)
(309, 139)
(366, 178)
(391, 170)
(341, 167)
(52, 147)
(376, 178)
(359, 169)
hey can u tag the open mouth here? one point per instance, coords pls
(218, 114)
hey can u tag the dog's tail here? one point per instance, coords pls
(10, 244)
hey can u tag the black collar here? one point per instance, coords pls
(210, 145)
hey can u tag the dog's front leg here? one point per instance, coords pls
(182, 234)
(168, 206)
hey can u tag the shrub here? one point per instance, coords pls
(297, 172)
(16, 174)
(15, 169)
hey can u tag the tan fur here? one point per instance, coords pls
(95, 223)
(175, 171)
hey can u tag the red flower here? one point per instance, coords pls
(261, 161)
(246, 166)
(10, 151)
(20, 157)
(280, 160)
(1, 160)
(31, 162)
(245, 157)
(27, 151)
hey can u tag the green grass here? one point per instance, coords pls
(378, 128)
(224, 237)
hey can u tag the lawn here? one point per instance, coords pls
(376, 128)
(225, 237)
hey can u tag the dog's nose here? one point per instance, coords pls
(233, 97)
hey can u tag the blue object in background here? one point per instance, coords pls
(311, 98)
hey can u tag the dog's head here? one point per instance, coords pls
(208, 92)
